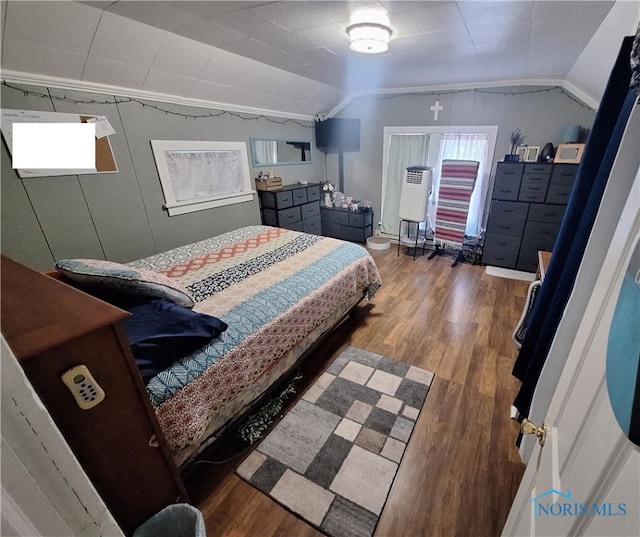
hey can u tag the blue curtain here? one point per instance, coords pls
(591, 180)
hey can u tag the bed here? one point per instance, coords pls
(276, 291)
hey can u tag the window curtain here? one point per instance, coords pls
(468, 147)
(580, 214)
(404, 150)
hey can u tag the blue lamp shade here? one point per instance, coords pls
(571, 134)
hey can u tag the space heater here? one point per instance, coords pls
(414, 196)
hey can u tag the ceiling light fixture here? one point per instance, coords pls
(369, 37)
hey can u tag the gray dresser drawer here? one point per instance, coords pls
(506, 189)
(288, 216)
(559, 193)
(352, 234)
(499, 258)
(532, 192)
(360, 219)
(509, 171)
(541, 178)
(340, 217)
(505, 226)
(564, 174)
(313, 193)
(270, 217)
(527, 263)
(310, 209)
(295, 226)
(277, 199)
(299, 196)
(546, 213)
(543, 169)
(311, 225)
(503, 243)
(507, 209)
(543, 232)
(331, 230)
(531, 247)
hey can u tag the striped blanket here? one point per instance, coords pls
(274, 288)
(457, 180)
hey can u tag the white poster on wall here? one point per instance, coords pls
(104, 159)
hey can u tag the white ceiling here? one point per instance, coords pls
(293, 56)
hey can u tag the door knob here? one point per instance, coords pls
(528, 427)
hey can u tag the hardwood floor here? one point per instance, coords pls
(461, 468)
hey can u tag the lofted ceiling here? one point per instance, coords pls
(293, 56)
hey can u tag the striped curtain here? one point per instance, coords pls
(457, 180)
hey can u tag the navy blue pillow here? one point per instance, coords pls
(161, 332)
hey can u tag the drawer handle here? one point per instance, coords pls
(509, 211)
(549, 214)
(504, 227)
(545, 232)
(289, 216)
(534, 188)
(502, 243)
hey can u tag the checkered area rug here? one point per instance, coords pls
(333, 458)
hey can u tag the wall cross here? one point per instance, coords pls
(436, 109)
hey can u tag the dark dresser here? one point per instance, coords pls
(347, 225)
(294, 207)
(527, 205)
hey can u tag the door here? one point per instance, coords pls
(585, 480)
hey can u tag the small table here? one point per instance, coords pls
(412, 241)
(543, 263)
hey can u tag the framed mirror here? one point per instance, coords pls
(274, 152)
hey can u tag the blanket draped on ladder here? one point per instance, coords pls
(457, 181)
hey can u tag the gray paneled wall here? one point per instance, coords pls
(539, 113)
(119, 216)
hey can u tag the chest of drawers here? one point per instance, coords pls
(527, 206)
(294, 207)
(346, 225)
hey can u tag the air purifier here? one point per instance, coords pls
(414, 195)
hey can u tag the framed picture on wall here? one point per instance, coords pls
(532, 153)
(569, 153)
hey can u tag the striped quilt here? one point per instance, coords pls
(457, 180)
(273, 287)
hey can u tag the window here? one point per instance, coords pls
(409, 146)
(202, 175)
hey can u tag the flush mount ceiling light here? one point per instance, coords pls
(369, 37)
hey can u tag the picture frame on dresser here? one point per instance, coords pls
(569, 153)
(532, 153)
(521, 151)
